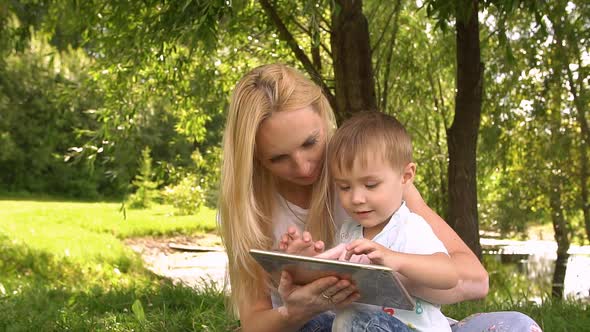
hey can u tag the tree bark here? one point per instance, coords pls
(581, 110)
(561, 237)
(462, 135)
(351, 54)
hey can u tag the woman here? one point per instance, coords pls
(273, 177)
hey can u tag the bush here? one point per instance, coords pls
(187, 196)
(146, 188)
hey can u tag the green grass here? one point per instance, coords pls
(104, 218)
(63, 267)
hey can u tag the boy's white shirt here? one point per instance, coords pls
(405, 232)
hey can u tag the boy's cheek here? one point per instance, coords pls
(344, 201)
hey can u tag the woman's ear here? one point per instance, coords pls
(408, 173)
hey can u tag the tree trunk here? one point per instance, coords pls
(351, 53)
(462, 135)
(561, 237)
(579, 97)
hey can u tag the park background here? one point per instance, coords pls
(112, 112)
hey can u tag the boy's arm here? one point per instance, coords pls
(431, 270)
(434, 271)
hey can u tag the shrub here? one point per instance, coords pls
(187, 196)
(146, 188)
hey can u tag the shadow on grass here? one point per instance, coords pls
(39, 292)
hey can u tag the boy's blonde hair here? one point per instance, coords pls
(248, 189)
(366, 136)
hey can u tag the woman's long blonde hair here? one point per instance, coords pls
(247, 189)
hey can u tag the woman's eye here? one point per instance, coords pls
(276, 159)
(310, 143)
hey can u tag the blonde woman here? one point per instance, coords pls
(274, 178)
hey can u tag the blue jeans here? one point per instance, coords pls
(320, 323)
(505, 321)
(502, 321)
(369, 321)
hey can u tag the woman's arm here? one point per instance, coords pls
(300, 304)
(473, 278)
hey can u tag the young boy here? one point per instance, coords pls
(370, 159)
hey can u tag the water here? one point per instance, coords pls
(536, 261)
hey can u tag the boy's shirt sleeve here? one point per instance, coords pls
(417, 237)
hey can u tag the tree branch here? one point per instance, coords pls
(385, 92)
(310, 34)
(287, 37)
(393, 12)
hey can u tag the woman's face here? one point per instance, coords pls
(291, 145)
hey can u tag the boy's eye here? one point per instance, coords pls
(371, 185)
(343, 187)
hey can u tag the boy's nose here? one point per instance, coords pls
(358, 196)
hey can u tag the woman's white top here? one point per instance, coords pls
(286, 214)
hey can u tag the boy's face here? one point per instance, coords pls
(371, 194)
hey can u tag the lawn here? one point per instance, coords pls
(63, 267)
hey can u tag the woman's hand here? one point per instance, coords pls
(304, 302)
(301, 244)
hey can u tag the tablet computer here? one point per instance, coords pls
(377, 284)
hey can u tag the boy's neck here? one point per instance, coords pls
(370, 233)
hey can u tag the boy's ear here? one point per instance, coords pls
(409, 173)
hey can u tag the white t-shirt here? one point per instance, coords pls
(409, 233)
(283, 217)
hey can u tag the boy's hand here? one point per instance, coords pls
(336, 253)
(376, 253)
(339, 253)
(301, 244)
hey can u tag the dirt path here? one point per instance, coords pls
(192, 268)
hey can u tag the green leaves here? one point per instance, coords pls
(137, 309)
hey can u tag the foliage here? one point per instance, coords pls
(529, 124)
(145, 187)
(39, 121)
(187, 196)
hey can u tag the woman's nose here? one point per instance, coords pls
(302, 165)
